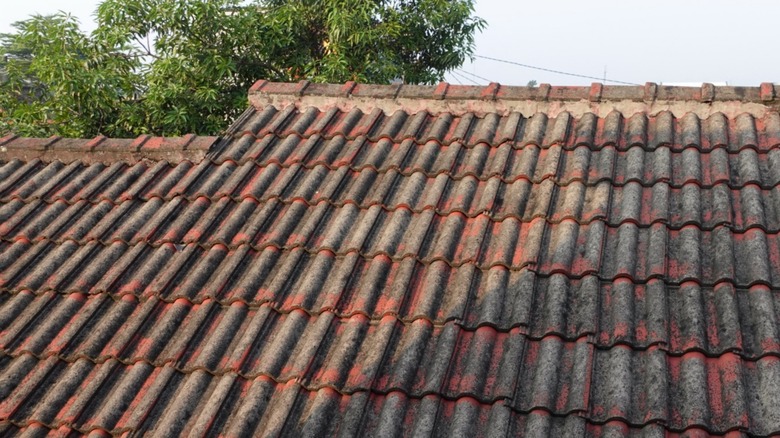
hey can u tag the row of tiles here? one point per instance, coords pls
(563, 378)
(681, 321)
(506, 160)
(658, 130)
(451, 419)
(684, 318)
(143, 400)
(639, 254)
(221, 241)
(706, 208)
(292, 162)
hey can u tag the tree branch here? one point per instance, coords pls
(146, 49)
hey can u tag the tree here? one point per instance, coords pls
(177, 66)
(56, 80)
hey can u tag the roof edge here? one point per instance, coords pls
(498, 98)
(106, 150)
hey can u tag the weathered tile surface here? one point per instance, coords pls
(340, 272)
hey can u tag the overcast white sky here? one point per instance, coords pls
(664, 41)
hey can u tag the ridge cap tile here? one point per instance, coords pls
(107, 150)
(707, 92)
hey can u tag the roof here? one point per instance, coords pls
(400, 260)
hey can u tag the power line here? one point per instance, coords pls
(474, 75)
(465, 77)
(460, 72)
(553, 71)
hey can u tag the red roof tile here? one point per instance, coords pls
(383, 260)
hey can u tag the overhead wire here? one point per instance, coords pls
(555, 71)
(465, 78)
(475, 75)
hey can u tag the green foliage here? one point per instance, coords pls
(59, 81)
(169, 67)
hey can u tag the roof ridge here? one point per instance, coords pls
(502, 99)
(103, 149)
(596, 92)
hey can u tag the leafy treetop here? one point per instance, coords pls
(169, 67)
